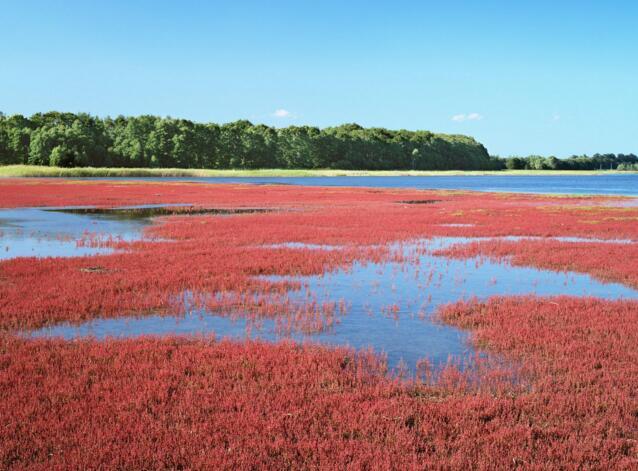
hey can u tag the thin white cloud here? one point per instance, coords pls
(282, 113)
(459, 118)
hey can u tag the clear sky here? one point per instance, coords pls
(550, 77)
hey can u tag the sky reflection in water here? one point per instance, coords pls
(370, 290)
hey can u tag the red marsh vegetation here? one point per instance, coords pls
(200, 403)
(178, 403)
(213, 254)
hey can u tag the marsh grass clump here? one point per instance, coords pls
(156, 211)
(419, 201)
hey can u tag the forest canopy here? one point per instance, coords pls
(82, 140)
(575, 162)
(78, 140)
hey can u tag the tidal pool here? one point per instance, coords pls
(389, 305)
(61, 232)
(50, 232)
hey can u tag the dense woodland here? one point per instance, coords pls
(76, 140)
(575, 162)
(80, 140)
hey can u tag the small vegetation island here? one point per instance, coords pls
(58, 139)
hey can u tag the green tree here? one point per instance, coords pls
(515, 163)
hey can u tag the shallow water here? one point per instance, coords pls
(43, 232)
(612, 184)
(390, 305)
(78, 230)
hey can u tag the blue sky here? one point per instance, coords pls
(548, 77)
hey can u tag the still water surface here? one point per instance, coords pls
(612, 184)
(42, 232)
(407, 332)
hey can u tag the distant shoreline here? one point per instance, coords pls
(88, 172)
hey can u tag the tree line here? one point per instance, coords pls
(77, 140)
(80, 140)
(575, 162)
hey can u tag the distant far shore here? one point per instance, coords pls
(41, 171)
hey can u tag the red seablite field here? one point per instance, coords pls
(200, 403)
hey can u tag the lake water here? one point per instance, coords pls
(603, 184)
